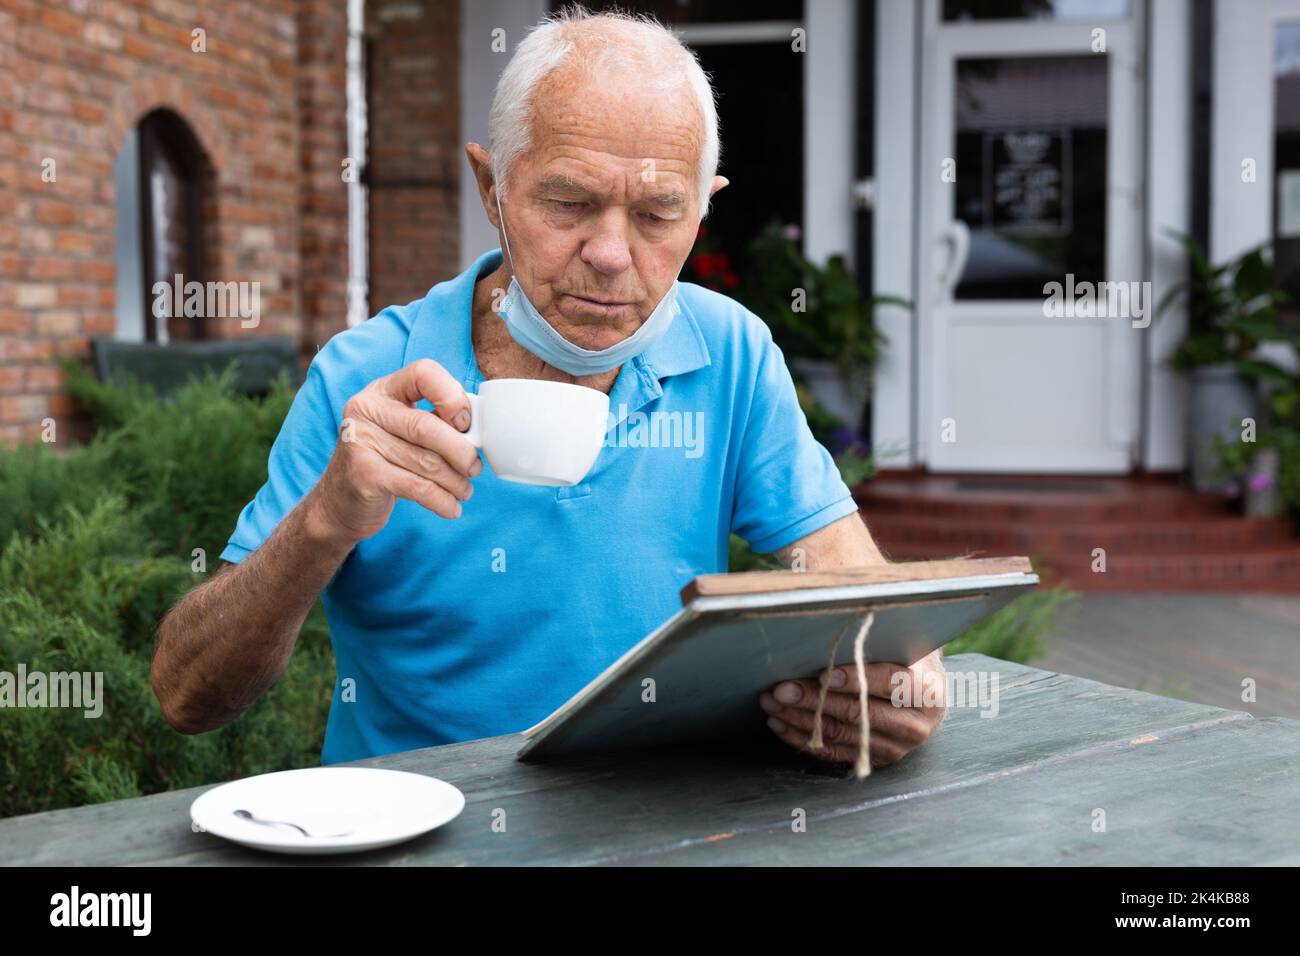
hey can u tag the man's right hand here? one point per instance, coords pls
(389, 449)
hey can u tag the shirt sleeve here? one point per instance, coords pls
(787, 483)
(298, 458)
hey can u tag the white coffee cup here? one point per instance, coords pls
(538, 433)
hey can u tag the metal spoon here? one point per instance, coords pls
(247, 815)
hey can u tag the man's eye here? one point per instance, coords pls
(567, 205)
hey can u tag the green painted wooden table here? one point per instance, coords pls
(1179, 783)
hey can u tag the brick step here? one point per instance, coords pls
(954, 535)
(1097, 500)
(1270, 570)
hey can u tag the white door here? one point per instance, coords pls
(1030, 167)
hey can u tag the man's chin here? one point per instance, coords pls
(593, 340)
(594, 332)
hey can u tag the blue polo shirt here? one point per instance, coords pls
(452, 630)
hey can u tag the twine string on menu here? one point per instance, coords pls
(862, 766)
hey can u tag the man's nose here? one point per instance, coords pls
(608, 251)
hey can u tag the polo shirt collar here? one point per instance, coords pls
(442, 330)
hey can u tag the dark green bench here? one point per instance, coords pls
(260, 362)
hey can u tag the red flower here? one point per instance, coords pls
(710, 263)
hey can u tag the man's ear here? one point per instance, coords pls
(718, 183)
(480, 164)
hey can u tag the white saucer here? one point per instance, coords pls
(370, 807)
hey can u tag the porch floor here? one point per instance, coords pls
(1197, 647)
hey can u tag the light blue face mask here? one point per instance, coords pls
(530, 329)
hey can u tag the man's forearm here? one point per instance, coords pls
(841, 544)
(229, 640)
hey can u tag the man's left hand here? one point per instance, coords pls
(895, 730)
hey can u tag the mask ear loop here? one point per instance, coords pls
(502, 217)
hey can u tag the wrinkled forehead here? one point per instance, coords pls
(602, 125)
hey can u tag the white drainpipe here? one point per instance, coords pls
(358, 248)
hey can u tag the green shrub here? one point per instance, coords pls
(191, 461)
(1017, 631)
(744, 558)
(35, 480)
(57, 757)
(97, 546)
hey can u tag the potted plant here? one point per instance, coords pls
(1255, 469)
(1268, 468)
(1232, 310)
(819, 318)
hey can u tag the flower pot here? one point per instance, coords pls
(844, 396)
(1221, 398)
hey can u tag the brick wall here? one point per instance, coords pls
(322, 104)
(416, 152)
(266, 102)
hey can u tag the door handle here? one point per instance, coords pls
(956, 237)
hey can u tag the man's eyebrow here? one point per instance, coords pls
(560, 183)
(668, 200)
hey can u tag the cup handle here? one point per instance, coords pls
(474, 434)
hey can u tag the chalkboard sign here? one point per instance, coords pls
(1027, 186)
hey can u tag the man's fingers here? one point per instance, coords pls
(798, 739)
(883, 750)
(843, 680)
(834, 730)
(419, 461)
(426, 379)
(902, 725)
(408, 485)
(427, 431)
(895, 730)
(842, 707)
(803, 692)
(841, 719)
(797, 693)
(921, 685)
(880, 678)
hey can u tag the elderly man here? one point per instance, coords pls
(461, 605)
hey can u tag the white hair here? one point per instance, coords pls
(654, 54)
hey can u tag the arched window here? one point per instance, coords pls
(162, 177)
